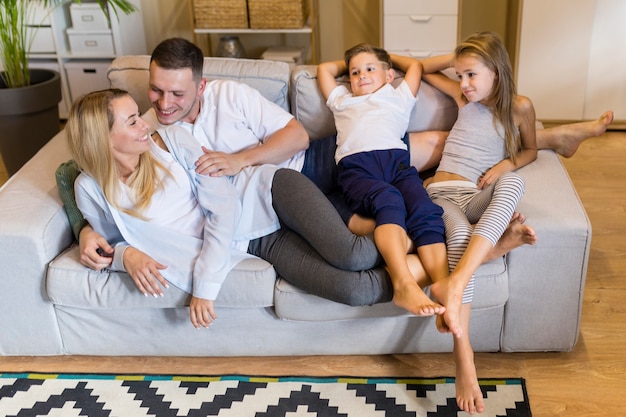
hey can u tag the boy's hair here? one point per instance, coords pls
(490, 50)
(380, 53)
(179, 53)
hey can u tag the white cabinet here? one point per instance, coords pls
(420, 28)
(571, 58)
(80, 47)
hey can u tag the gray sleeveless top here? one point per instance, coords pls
(474, 144)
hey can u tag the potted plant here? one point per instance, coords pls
(29, 98)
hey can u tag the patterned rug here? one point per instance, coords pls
(95, 395)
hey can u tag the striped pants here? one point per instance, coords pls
(468, 211)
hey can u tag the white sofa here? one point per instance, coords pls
(51, 305)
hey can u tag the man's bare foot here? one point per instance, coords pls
(515, 235)
(469, 397)
(413, 299)
(450, 297)
(576, 133)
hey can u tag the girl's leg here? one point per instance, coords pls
(295, 260)
(303, 208)
(469, 397)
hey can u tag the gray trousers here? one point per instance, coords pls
(315, 251)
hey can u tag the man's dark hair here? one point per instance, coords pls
(179, 53)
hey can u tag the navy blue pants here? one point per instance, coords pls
(383, 185)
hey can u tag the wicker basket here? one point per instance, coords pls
(222, 14)
(277, 14)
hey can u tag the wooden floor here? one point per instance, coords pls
(590, 381)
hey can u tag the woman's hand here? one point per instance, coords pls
(144, 271)
(201, 312)
(95, 251)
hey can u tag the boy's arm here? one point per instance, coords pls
(326, 74)
(412, 69)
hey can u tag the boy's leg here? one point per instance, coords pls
(390, 239)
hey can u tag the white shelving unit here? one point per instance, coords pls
(259, 39)
(83, 70)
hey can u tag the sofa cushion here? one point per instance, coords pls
(250, 284)
(271, 78)
(291, 303)
(433, 111)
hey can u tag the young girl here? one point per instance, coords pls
(475, 183)
(373, 165)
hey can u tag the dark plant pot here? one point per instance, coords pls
(29, 117)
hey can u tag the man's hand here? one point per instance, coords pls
(144, 272)
(201, 312)
(95, 251)
(218, 164)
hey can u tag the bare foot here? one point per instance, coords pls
(415, 301)
(515, 235)
(576, 133)
(451, 297)
(469, 397)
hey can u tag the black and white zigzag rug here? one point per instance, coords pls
(105, 395)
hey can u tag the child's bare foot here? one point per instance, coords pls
(469, 397)
(515, 235)
(413, 299)
(575, 134)
(451, 298)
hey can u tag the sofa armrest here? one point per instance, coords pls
(546, 280)
(33, 231)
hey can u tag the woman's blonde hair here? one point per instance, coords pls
(88, 128)
(488, 47)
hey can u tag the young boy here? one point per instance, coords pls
(374, 170)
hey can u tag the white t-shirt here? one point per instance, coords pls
(373, 121)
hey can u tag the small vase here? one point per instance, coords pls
(230, 47)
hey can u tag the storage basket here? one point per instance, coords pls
(221, 14)
(277, 14)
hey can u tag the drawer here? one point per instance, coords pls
(86, 76)
(409, 33)
(406, 7)
(91, 43)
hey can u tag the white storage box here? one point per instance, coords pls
(86, 76)
(290, 55)
(93, 42)
(88, 16)
(39, 15)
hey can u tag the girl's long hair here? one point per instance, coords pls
(88, 127)
(488, 47)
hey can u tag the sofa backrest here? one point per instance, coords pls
(296, 92)
(271, 78)
(433, 111)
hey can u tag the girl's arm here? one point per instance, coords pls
(412, 69)
(432, 74)
(326, 74)
(437, 63)
(524, 117)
